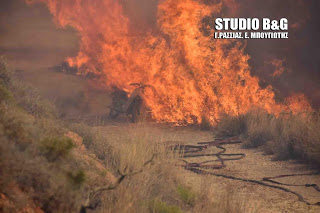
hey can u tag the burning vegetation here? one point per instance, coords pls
(175, 69)
(194, 76)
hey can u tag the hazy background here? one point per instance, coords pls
(32, 44)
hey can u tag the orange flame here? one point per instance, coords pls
(193, 75)
(297, 103)
(279, 67)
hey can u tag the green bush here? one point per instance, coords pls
(186, 195)
(55, 148)
(6, 75)
(158, 206)
(16, 125)
(76, 179)
(5, 94)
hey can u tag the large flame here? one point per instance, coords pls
(193, 75)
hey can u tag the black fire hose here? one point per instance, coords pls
(196, 151)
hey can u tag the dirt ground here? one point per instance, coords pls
(255, 165)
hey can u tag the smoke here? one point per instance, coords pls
(300, 51)
(142, 13)
(30, 39)
(32, 43)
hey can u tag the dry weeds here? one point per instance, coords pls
(40, 170)
(288, 136)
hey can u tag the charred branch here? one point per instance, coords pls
(92, 204)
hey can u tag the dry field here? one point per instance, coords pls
(49, 164)
(216, 194)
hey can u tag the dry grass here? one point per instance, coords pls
(34, 159)
(231, 125)
(224, 199)
(154, 187)
(41, 169)
(161, 187)
(27, 174)
(288, 136)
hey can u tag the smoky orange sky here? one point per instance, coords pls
(30, 39)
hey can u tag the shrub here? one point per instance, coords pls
(258, 129)
(55, 148)
(30, 100)
(28, 132)
(84, 131)
(288, 136)
(186, 195)
(205, 124)
(24, 95)
(16, 125)
(76, 179)
(5, 94)
(231, 125)
(6, 75)
(158, 206)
